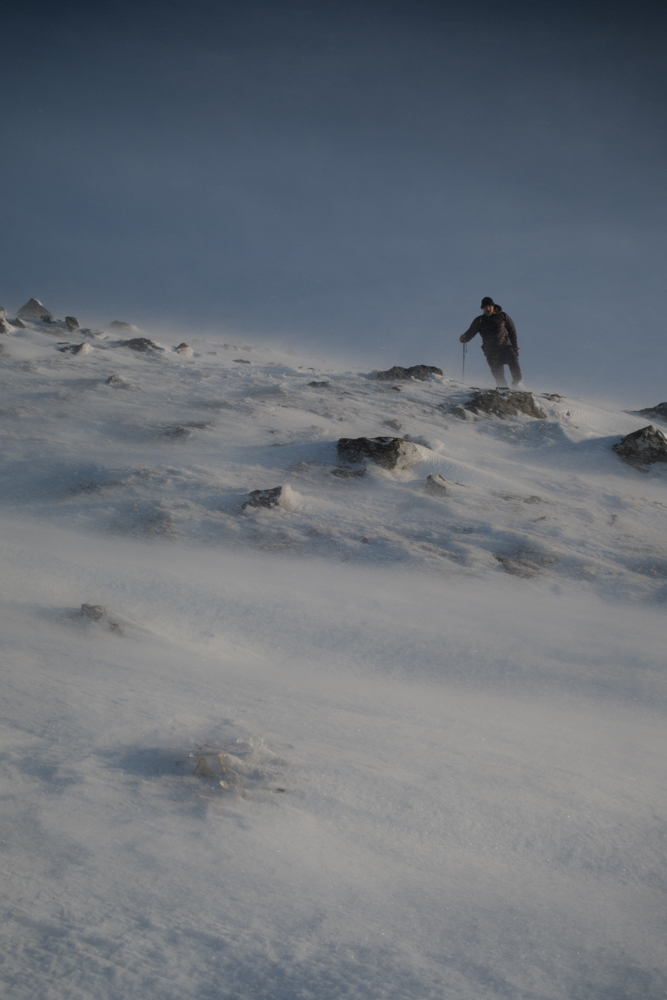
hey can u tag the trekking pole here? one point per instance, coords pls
(463, 373)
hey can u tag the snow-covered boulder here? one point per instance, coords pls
(71, 322)
(34, 309)
(185, 350)
(642, 447)
(279, 496)
(416, 371)
(388, 452)
(505, 404)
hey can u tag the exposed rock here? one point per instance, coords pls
(456, 410)
(552, 396)
(280, 496)
(3, 312)
(93, 611)
(658, 412)
(34, 309)
(502, 404)
(436, 484)
(417, 371)
(341, 473)
(185, 349)
(71, 322)
(394, 424)
(76, 349)
(519, 567)
(114, 380)
(140, 344)
(5, 327)
(241, 361)
(389, 452)
(642, 447)
(317, 385)
(18, 323)
(98, 613)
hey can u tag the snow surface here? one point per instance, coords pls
(438, 718)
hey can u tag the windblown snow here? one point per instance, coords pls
(278, 725)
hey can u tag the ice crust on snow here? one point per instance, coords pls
(401, 734)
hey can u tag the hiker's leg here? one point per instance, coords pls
(497, 370)
(515, 369)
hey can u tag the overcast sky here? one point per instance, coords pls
(349, 175)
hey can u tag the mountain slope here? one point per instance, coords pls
(437, 716)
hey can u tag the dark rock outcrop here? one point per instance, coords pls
(388, 452)
(417, 371)
(658, 412)
(18, 323)
(317, 385)
(184, 349)
(241, 361)
(114, 380)
(71, 322)
(505, 404)
(278, 496)
(140, 344)
(642, 447)
(5, 327)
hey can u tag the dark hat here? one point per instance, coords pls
(487, 301)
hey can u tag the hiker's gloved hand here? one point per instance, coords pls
(462, 338)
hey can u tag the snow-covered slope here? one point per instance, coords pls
(437, 715)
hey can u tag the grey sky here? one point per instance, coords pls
(350, 175)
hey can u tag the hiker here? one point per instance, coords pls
(499, 344)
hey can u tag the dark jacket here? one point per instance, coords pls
(498, 332)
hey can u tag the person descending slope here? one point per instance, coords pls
(499, 343)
